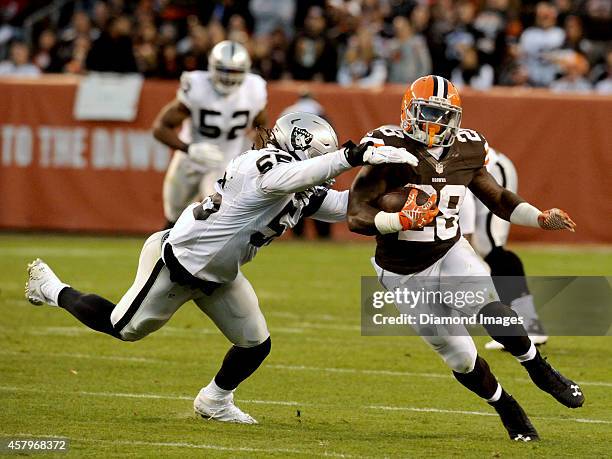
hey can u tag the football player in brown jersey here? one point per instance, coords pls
(425, 239)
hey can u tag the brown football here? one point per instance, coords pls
(394, 200)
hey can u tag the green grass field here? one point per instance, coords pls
(325, 390)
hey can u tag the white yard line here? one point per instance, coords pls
(293, 403)
(361, 371)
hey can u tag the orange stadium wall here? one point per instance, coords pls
(60, 174)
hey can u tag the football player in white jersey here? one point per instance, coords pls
(262, 193)
(216, 109)
(488, 235)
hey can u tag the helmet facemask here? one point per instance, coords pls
(225, 79)
(432, 122)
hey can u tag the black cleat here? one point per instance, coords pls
(566, 391)
(515, 420)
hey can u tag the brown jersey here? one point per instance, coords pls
(412, 251)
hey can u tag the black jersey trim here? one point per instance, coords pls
(490, 214)
(142, 294)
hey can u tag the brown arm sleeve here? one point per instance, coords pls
(166, 123)
(367, 187)
(498, 199)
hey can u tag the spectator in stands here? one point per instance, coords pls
(574, 67)
(46, 57)
(80, 49)
(270, 15)
(409, 56)
(362, 65)
(170, 66)
(604, 86)
(492, 21)
(269, 53)
(113, 51)
(464, 35)
(146, 50)
(19, 61)
(575, 39)
(470, 72)
(538, 44)
(312, 55)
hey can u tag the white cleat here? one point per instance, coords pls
(221, 410)
(41, 280)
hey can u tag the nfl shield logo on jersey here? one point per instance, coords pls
(300, 138)
(439, 168)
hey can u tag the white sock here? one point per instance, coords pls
(215, 392)
(496, 395)
(529, 355)
(51, 290)
(525, 308)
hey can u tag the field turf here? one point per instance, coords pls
(325, 390)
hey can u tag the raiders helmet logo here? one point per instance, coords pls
(300, 138)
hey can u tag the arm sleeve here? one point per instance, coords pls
(285, 178)
(334, 207)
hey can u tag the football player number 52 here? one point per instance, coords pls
(209, 123)
(447, 221)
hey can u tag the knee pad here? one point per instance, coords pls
(458, 352)
(462, 361)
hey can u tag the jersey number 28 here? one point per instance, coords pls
(447, 222)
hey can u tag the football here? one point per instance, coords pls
(394, 200)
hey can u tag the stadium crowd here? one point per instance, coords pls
(563, 44)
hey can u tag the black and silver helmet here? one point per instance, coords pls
(228, 64)
(306, 133)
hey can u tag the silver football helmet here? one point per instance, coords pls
(306, 133)
(228, 64)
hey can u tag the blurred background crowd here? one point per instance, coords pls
(565, 45)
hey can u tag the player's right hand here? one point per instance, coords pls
(413, 216)
(206, 154)
(556, 219)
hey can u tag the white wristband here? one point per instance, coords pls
(526, 215)
(387, 222)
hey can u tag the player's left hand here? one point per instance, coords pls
(205, 153)
(556, 219)
(388, 154)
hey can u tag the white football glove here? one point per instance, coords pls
(388, 154)
(206, 154)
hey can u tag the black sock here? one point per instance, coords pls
(91, 310)
(514, 336)
(240, 363)
(508, 274)
(169, 225)
(480, 380)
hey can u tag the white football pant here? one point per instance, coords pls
(452, 342)
(185, 183)
(153, 298)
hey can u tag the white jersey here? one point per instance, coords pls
(475, 218)
(263, 193)
(222, 120)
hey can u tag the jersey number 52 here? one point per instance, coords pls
(210, 128)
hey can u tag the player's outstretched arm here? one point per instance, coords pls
(511, 207)
(169, 118)
(295, 176)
